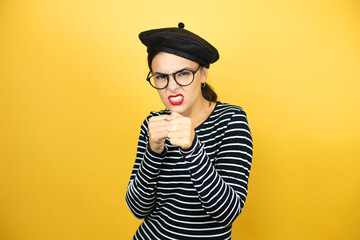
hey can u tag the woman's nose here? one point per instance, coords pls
(172, 86)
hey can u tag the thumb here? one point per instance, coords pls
(172, 116)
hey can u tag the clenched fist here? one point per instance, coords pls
(180, 130)
(177, 128)
(158, 132)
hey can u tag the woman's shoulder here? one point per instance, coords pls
(222, 109)
(155, 113)
(223, 115)
(158, 113)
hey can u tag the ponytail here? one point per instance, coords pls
(208, 93)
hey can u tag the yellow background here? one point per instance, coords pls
(73, 96)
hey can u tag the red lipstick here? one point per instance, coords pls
(176, 99)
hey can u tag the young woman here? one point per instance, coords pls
(193, 160)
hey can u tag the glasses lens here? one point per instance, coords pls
(158, 81)
(184, 77)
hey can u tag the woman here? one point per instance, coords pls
(193, 160)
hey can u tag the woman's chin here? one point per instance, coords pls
(176, 108)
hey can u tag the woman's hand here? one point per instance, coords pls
(158, 132)
(177, 128)
(180, 130)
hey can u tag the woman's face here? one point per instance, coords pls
(182, 99)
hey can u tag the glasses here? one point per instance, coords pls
(183, 77)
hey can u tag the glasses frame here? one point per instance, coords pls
(173, 75)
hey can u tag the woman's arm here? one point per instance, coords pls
(222, 188)
(141, 191)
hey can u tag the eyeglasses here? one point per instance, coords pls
(183, 77)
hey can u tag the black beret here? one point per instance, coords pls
(180, 42)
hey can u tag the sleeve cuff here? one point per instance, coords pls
(191, 149)
(155, 154)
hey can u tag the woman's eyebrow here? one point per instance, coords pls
(160, 73)
(185, 68)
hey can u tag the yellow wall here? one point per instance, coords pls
(73, 96)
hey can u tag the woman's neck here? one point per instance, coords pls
(202, 112)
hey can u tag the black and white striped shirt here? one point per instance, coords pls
(197, 193)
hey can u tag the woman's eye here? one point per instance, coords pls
(160, 77)
(184, 73)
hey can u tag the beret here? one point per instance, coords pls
(180, 42)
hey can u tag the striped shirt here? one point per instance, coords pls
(195, 193)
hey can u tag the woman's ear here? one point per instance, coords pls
(204, 72)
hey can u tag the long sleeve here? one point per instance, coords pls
(193, 193)
(141, 190)
(222, 183)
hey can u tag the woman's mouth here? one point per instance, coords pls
(176, 99)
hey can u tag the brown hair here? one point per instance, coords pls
(207, 91)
